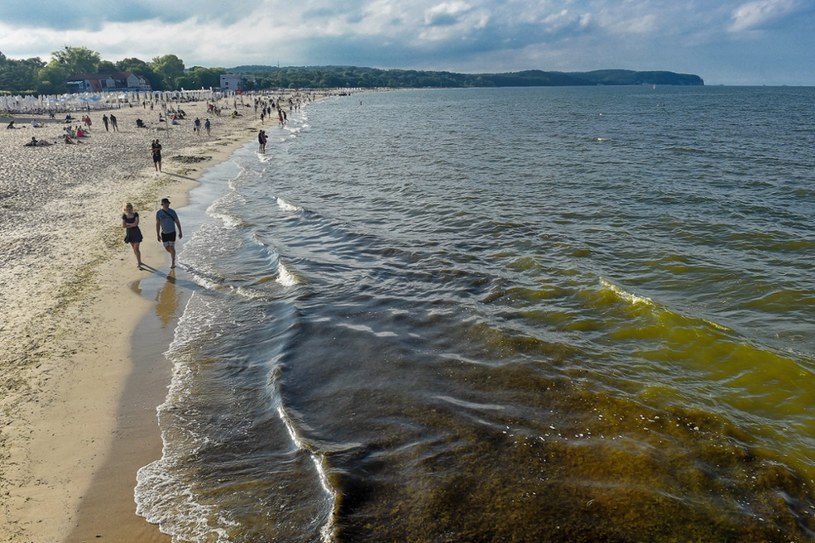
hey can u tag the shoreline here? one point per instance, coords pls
(107, 509)
(85, 368)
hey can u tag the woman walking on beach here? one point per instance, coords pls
(133, 236)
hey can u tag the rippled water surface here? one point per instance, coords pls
(557, 314)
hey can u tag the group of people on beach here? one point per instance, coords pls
(168, 227)
(77, 132)
(72, 134)
(110, 122)
(266, 108)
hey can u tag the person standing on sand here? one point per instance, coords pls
(156, 149)
(105, 122)
(133, 235)
(166, 222)
(207, 126)
(113, 123)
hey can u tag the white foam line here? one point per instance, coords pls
(287, 423)
(327, 531)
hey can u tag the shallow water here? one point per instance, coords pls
(501, 315)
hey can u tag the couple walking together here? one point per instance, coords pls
(166, 223)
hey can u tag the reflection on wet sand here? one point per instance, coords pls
(167, 296)
(167, 300)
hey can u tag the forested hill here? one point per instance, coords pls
(352, 76)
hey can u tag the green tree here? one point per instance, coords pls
(169, 68)
(106, 67)
(198, 77)
(51, 78)
(64, 64)
(135, 65)
(77, 60)
(19, 76)
(140, 67)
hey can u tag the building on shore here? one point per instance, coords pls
(108, 82)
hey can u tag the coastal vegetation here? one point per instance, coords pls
(168, 72)
(261, 77)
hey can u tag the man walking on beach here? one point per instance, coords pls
(156, 150)
(166, 222)
(113, 122)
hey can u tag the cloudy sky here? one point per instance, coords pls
(734, 42)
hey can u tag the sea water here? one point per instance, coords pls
(545, 314)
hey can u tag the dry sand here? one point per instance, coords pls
(77, 416)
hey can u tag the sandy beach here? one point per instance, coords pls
(81, 377)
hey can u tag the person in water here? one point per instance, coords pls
(262, 139)
(133, 235)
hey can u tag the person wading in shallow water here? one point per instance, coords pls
(166, 223)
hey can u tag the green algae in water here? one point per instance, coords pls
(585, 467)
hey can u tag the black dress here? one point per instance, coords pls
(133, 235)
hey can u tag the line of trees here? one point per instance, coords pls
(33, 76)
(265, 77)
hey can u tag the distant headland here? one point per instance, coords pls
(353, 76)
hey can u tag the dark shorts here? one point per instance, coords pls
(168, 238)
(133, 235)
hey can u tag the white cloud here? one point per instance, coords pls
(457, 35)
(753, 15)
(445, 13)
